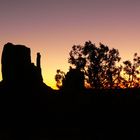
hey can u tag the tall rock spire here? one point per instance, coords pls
(38, 59)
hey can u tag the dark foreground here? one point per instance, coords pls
(69, 115)
(30, 110)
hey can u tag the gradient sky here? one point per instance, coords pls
(52, 27)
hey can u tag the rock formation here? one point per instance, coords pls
(17, 69)
(74, 80)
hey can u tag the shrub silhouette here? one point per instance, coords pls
(59, 78)
(74, 80)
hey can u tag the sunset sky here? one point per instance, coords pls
(52, 27)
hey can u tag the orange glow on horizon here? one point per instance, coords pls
(38, 26)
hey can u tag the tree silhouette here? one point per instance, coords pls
(77, 58)
(98, 64)
(131, 71)
(111, 71)
(101, 68)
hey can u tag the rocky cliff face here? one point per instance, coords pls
(17, 68)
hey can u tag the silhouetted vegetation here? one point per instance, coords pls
(102, 68)
(131, 72)
(109, 109)
(59, 77)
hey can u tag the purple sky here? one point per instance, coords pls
(52, 27)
